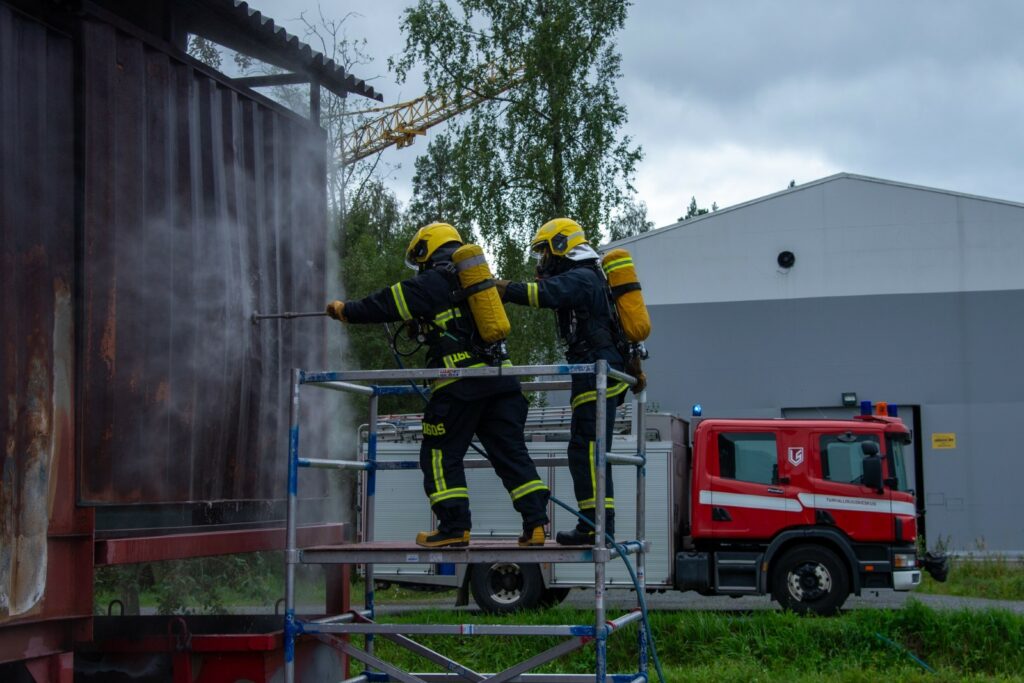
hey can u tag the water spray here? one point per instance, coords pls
(256, 317)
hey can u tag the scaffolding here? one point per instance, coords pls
(335, 629)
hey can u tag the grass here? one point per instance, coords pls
(310, 589)
(765, 646)
(996, 578)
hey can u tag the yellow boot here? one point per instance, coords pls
(440, 539)
(533, 537)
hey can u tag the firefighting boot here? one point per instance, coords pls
(575, 537)
(439, 539)
(583, 534)
(532, 537)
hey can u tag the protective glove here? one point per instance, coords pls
(634, 366)
(336, 310)
(501, 286)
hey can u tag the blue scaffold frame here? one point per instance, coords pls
(363, 622)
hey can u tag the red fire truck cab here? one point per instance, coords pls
(806, 510)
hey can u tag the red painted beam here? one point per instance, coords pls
(180, 546)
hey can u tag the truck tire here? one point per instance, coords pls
(553, 597)
(810, 579)
(505, 587)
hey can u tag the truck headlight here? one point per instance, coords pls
(905, 560)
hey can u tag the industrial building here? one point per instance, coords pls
(807, 301)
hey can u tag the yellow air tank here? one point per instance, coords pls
(629, 301)
(484, 302)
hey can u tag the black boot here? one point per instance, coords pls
(583, 534)
(575, 537)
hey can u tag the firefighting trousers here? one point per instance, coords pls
(583, 431)
(449, 424)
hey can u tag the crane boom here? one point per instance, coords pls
(400, 123)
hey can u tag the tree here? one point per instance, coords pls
(435, 191)
(549, 147)
(372, 245)
(631, 220)
(693, 210)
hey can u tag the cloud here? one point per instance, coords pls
(732, 99)
(727, 97)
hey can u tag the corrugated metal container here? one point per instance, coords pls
(45, 542)
(201, 204)
(147, 209)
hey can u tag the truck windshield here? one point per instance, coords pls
(897, 466)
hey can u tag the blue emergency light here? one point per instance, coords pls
(697, 410)
(865, 407)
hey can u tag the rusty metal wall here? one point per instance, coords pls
(201, 205)
(45, 541)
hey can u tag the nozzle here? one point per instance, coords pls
(256, 316)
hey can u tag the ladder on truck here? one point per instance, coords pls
(336, 630)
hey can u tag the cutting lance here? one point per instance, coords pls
(256, 317)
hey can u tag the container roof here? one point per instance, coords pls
(236, 25)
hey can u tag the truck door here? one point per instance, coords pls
(746, 497)
(837, 495)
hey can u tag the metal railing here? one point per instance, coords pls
(369, 383)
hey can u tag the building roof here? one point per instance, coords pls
(236, 25)
(798, 188)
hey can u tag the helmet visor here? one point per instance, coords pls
(415, 257)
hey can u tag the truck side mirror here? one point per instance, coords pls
(869, 448)
(872, 472)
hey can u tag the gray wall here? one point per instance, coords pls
(956, 355)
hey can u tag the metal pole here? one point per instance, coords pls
(371, 490)
(291, 551)
(601, 643)
(640, 414)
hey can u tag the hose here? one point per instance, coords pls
(641, 597)
(920, 662)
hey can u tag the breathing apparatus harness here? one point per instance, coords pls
(459, 337)
(577, 333)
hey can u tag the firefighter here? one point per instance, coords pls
(569, 280)
(492, 408)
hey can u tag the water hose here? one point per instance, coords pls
(641, 598)
(920, 662)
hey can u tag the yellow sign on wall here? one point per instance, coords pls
(943, 440)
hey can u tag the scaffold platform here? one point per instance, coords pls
(336, 630)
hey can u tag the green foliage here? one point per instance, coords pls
(996, 578)
(435, 196)
(205, 50)
(770, 645)
(693, 210)
(372, 246)
(194, 586)
(631, 220)
(550, 146)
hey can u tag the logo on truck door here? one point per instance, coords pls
(796, 455)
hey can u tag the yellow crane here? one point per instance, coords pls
(399, 124)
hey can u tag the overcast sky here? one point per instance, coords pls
(732, 100)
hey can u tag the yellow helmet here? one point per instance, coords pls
(559, 236)
(427, 240)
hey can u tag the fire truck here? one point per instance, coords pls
(808, 511)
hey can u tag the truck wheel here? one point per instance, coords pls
(506, 587)
(810, 579)
(553, 597)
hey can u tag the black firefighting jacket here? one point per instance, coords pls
(446, 322)
(585, 325)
